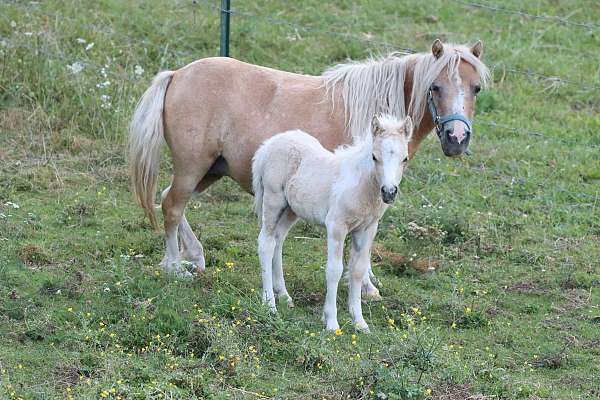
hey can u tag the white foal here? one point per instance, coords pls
(347, 191)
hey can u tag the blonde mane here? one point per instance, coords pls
(377, 85)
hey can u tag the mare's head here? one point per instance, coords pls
(390, 152)
(450, 79)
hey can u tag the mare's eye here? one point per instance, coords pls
(374, 158)
(405, 160)
(477, 89)
(435, 88)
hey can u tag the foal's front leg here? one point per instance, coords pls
(335, 251)
(360, 254)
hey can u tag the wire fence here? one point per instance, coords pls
(548, 18)
(553, 82)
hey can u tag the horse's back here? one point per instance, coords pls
(222, 107)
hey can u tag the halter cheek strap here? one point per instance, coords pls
(440, 121)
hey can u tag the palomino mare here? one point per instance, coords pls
(348, 191)
(215, 112)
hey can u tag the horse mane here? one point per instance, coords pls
(376, 85)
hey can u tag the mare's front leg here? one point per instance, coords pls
(360, 254)
(335, 252)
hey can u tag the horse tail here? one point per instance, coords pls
(145, 138)
(258, 168)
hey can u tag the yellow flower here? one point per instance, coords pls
(338, 332)
(104, 393)
(427, 391)
(70, 309)
(468, 310)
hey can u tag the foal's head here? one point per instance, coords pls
(452, 91)
(390, 152)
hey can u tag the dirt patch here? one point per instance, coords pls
(396, 260)
(66, 375)
(33, 255)
(450, 391)
(308, 299)
(523, 288)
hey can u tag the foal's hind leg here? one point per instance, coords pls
(284, 224)
(274, 205)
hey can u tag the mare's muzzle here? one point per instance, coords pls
(453, 143)
(388, 194)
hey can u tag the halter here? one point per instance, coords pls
(440, 121)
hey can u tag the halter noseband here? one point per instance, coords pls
(440, 121)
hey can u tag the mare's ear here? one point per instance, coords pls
(477, 49)
(437, 48)
(376, 128)
(408, 127)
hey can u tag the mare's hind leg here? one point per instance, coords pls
(284, 224)
(192, 250)
(173, 206)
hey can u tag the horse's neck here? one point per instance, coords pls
(364, 187)
(426, 125)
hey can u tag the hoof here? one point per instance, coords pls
(185, 275)
(363, 327)
(288, 300)
(372, 295)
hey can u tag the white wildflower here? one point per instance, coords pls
(89, 46)
(11, 204)
(102, 85)
(27, 33)
(76, 67)
(138, 70)
(13, 24)
(81, 40)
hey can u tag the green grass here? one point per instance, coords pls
(85, 312)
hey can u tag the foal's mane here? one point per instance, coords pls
(376, 85)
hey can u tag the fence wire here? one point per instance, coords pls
(553, 80)
(551, 18)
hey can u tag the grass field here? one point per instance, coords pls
(512, 310)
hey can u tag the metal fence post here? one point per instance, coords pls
(225, 13)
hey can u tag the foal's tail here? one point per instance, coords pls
(258, 169)
(145, 137)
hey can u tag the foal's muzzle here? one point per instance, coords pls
(388, 194)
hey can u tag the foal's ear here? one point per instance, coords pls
(437, 48)
(477, 49)
(376, 128)
(408, 127)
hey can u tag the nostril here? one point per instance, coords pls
(448, 132)
(394, 190)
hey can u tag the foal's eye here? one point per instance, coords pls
(405, 160)
(374, 158)
(477, 89)
(435, 88)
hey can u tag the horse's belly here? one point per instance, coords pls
(308, 199)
